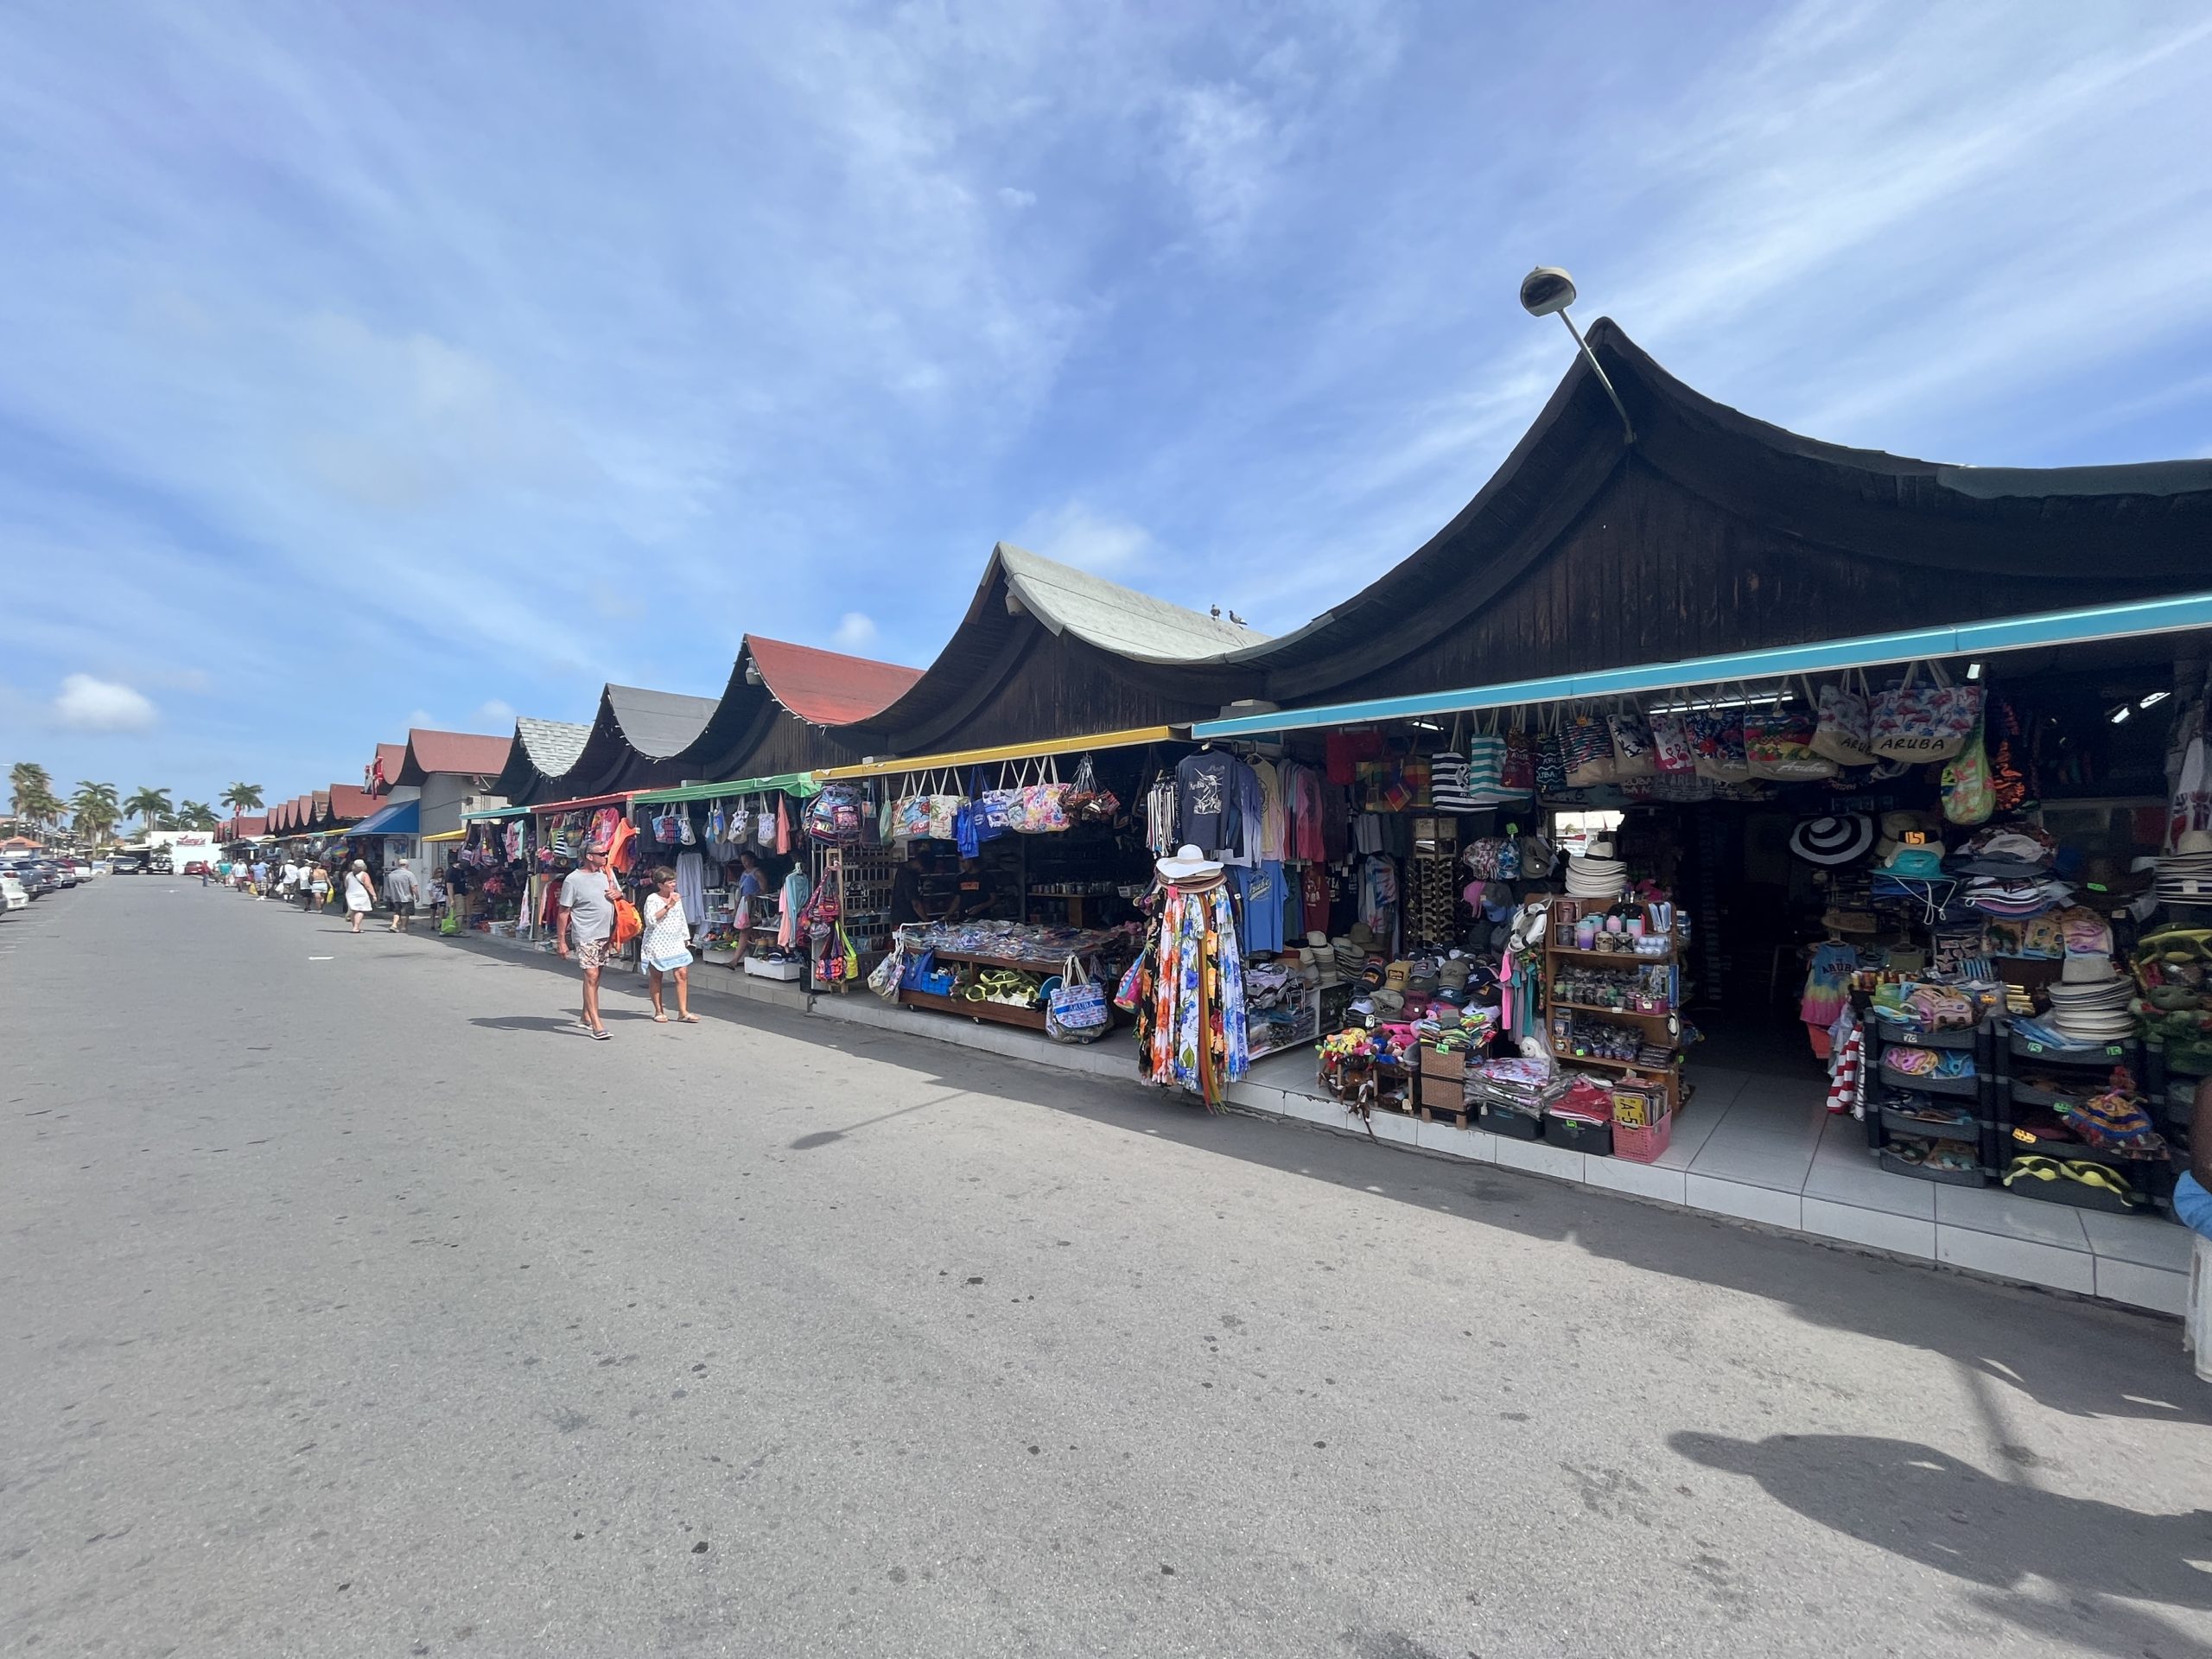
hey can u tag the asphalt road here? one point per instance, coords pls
(350, 1304)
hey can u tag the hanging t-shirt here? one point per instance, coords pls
(1262, 888)
(1206, 797)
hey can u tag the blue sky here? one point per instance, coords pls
(376, 365)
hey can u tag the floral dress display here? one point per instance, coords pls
(1187, 992)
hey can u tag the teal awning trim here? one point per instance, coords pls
(495, 812)
(2083, 626)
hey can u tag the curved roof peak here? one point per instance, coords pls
(826, 688)
(1114, 618)
(657, 724)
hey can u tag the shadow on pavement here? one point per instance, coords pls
(1930, 1508)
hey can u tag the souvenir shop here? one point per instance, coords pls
(1965, 899)
(997, 888)
(744, 864)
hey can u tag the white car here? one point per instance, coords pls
(12, 896)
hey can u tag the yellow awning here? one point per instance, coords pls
(448, 835)
(1122, 739)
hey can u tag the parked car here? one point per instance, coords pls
(130, 863)
(13, 895)
(37, 881)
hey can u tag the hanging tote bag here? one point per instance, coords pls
(1842, 731)
(1631, 735)
(1929, 721)
(1778, 745)
(1044, 801)
(1517, 775)
(1968, 796)
(1717, 741)
(1589, 750)
(1673, 749)
(1074, 1010)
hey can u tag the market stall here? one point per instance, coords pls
(741, 855)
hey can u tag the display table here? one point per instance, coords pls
(1016, 947)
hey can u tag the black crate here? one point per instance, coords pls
(1515, 1125)
(1596, 1138)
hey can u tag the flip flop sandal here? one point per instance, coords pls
(602, 1036)
(2097, 1175)
(660, 1019)
(2042, 1168)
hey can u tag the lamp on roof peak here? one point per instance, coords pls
(1548, 290)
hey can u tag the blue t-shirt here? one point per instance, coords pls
(2193, 1205)
(1261, 886)
(748, 885)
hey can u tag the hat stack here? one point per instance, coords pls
(1596, 874)
(1834, 840)
(2088, 1002)
(2185, 873)
(2011, 867)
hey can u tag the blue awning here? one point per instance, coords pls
(2097, 622)
(400, 818)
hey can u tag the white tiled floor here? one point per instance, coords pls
(1764, 1148)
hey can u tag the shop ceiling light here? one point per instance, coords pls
(1973, 670)
(2154, 698)
(1548, 291)
(2121, 713)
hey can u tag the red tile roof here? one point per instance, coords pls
(392, 754)
(350, 803)
(468, 752)
(827, 687)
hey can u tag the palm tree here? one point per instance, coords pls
(150, 804)
(196, 815)
(93, 811)
(243, 797)
(31, 794)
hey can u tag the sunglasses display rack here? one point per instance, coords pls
(2034, 1079)
(1928, 1064)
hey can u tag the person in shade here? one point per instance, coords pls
(586, 924)
(666, 947)
(752, 885)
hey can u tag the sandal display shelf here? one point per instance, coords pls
(2085, 1068)
(1886, 1126)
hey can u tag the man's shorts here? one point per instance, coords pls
(593, 953)
(403, 907)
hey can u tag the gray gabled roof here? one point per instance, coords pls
(658, 724)
(1113, 618)
(551, 745)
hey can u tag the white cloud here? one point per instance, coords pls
(1074, 534)
(495, 713)
(1015, 199)
(89, 705)
(422, 720)
(854, 629)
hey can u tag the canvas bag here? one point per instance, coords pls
(1843, 729)
(1968, 796)
(1518, 774)
(1044, 809)
(1631, 735)
(1074, 1010)
(1778, 745)
(1589, 750)
(1929, 721)
(1672, 748)
(1717, 742)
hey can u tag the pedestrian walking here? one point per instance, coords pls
(318, 893)
(203, 875)
(260, 878)
(402, 891)
(666, 947)
(587, 922)
(361, 891)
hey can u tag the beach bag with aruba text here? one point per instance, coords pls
(1075, 1010)
(1924, 719)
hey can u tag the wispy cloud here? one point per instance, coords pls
(856, 629)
